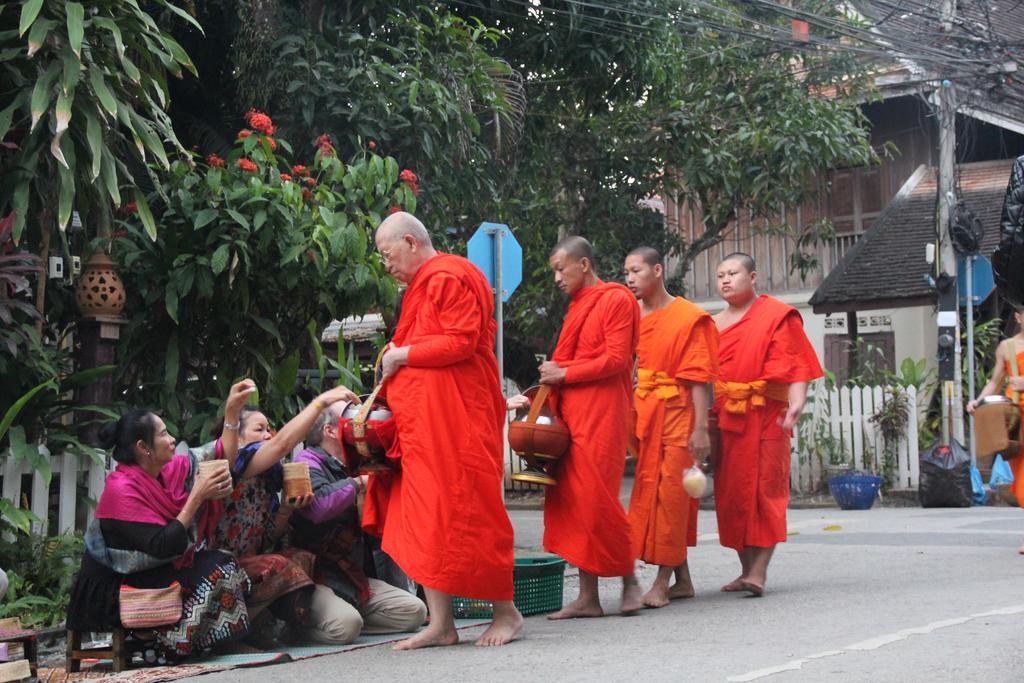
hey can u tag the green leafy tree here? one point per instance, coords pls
(252, 249)
(85, 87)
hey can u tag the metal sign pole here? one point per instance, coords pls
(499, 350)
(969, 272)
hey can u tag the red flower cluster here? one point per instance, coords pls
(128, 209)
(394, 209)
(372, 145)
(324, 145)
(285, 178)
(244, 133)
(260, 121)
(410, 179)
(214, 161)
(311, 181)
(247, 165)
(273, 143)
(307, 195)
(300, 170)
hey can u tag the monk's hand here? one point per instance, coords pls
(700, 444)
(394, 358)
(551, 373)
(518, 402)
(971, 406)
(789, 420)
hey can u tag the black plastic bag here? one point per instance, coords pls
(945, 477)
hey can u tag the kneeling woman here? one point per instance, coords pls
(255, 520)
(153, 524)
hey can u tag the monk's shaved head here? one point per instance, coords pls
(575, 247)
(746, 260)
(650, 255)
(398, 225)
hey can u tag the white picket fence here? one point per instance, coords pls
(77, 482)
(848, 412)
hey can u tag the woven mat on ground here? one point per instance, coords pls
(206, 665)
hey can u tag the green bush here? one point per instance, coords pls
(41, 572)
(250, 251)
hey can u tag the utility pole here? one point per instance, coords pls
(950, 366)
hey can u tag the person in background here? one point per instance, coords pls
(1009, 361)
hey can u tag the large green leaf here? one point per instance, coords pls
(22, 451)
(19, 202)
(219, 259)
(145, 214)
(72, 71)
(19, 404)
(76, 26)
(42, 93)
(94, 136)
(115, 31)
(37, 36)
(103, 94)
(7, 115)
(29, 12)
(150, 139)
(108, 173)
(183, 14)
(286, 373)
(66, 196)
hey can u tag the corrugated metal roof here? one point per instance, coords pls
(887, 265)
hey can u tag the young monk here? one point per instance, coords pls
(592, 366)
(677, 356)
(1009, 362)
(765, 362)
(446, 523)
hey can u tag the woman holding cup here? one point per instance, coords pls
(154, 526)
(255, 518)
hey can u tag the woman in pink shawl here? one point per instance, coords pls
(154, 525)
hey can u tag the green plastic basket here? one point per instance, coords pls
(538, 583)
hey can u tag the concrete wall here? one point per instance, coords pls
(915, 331)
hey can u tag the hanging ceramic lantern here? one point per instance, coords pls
(100, 291)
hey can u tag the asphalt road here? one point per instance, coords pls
(890, 594)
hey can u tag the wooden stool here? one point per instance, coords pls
(11, 632)
(116, 652)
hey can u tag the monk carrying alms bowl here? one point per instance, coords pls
(539, 437)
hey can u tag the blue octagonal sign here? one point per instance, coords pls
(481, 250)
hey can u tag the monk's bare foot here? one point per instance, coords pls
(734, 586)
(578, 609)
(632, 601)
(504, 629)
(1021, 550)
(681, 591)
(755, 588)
(656, 597)
(430, 637)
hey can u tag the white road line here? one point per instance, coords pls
(874, 643)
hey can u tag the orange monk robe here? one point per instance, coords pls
(583, 519)
(760, 355)
(678, 344)
(1017, 464)
(446, 523)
